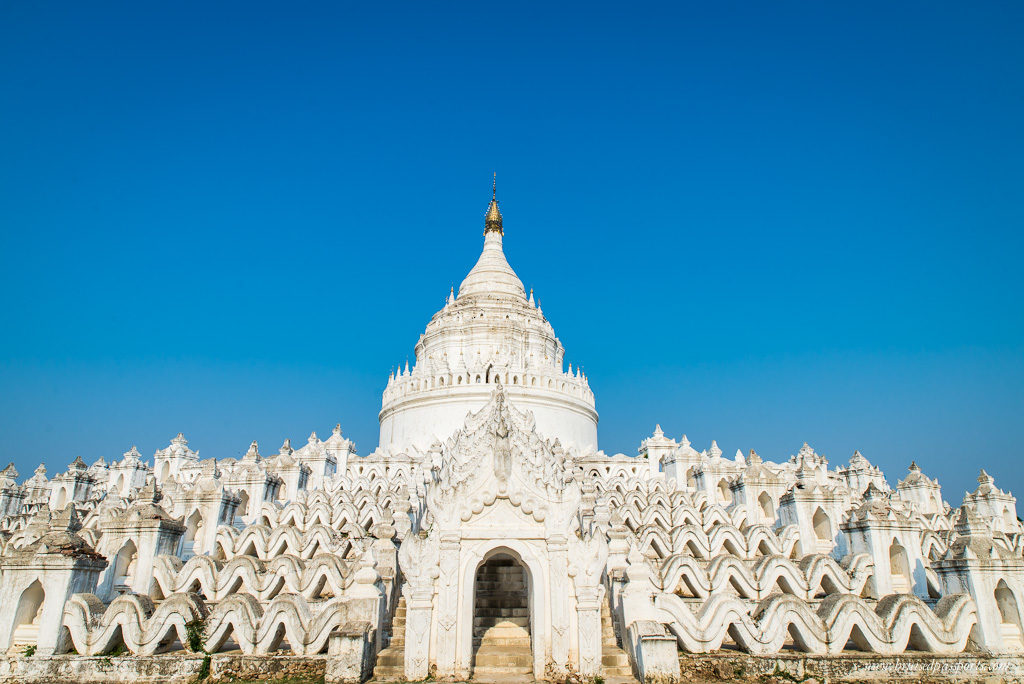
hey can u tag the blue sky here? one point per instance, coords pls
(761, 223)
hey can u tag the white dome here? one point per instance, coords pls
(490, 333)
(492, 276)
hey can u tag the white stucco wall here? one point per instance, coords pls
(435, 415)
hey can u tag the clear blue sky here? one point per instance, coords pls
(759, 223)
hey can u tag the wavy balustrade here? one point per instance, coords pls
(265, 543)
(216, 580)
(255, 627)
(752, 542)
(132, 620)
(813, 575)
(896, 623)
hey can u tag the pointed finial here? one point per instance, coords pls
(492, 219)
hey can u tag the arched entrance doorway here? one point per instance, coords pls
(501, 619)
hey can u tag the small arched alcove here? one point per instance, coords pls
(243, 505)
(1009, 618)
(193, 535)
(124, 567)
(822, 526)
(27, 615)
(724, 494)
(502, 610)
(767, 506)
(899, 568)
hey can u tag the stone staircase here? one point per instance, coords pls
(390, 665)
(615, 667)
(501, 624)
(501, 634)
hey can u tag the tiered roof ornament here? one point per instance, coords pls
(714, 452)
(178, 448)
(10, 472)
(253, 454)
(916, 478)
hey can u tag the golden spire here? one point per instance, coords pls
(492, 220)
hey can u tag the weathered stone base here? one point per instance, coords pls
(783, 669)
(225, 668)
(186, 668)
(176, 668)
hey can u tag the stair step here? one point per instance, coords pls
(496, 620)
(484, 605)
(390, 666)
(615, 660)
(505, 675)
(615, 665)
(520, 647)
(618, 670)
(389, 674)
(504, 660)
(501, 644)
(504, 612)
(483, 634)
(518, 634)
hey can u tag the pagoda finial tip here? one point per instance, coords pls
(492, 220)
